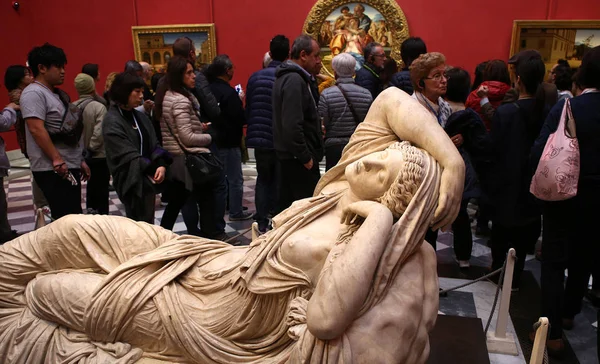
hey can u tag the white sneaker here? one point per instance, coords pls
(464, 264)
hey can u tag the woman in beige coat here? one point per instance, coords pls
(181, 129)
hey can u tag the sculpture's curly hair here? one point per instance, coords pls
(421, 67)
(406, 184)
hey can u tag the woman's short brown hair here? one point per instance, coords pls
(421, 67)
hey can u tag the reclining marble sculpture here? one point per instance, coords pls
(342, 278)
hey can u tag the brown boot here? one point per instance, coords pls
(567, 324)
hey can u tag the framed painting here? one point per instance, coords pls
(154, 44)
(348, 26)
(556, 39)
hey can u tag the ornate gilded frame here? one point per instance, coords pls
(388, 8)
(519, 25)
(182, 28)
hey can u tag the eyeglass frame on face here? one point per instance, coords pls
(438, 77)
(379, 55)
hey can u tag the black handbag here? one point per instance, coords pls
(202, 167)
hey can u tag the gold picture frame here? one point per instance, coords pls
(154, 44)
(556, 39)
(386, 19)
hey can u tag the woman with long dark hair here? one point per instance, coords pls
(495, 85)
(135, 160)
(183, 132)
(517, 217)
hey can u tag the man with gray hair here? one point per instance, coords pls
(342, 108)
(146, 75)
(297, 135)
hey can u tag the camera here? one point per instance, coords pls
(16, 5)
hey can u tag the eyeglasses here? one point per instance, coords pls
(379, 55)
(438, 77)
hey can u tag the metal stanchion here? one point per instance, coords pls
(40, 219)
(538, 354)
(255, 232)
(500, 341)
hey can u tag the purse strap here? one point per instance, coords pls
(570, 129)
(176, 138)
(349, 104)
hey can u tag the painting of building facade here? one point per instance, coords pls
(154, 44)
(568, 40)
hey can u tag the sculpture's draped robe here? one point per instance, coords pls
(98, 289)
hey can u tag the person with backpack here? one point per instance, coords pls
(93, 113)
(342, 108)
(53, 131)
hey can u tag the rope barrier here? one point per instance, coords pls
(489, 275)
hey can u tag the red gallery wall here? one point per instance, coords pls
(99, 31)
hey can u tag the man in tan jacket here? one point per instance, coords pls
(93, 143)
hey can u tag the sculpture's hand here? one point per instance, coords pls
(451, 188)
(360, 209)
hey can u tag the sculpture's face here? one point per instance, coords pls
(372, 175)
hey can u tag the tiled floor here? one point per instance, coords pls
(473, 301)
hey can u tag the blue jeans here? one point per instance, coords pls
(232, 166)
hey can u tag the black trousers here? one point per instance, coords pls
(203, 195)
(265, 198)
(463, 237)
(63, 197)
(333, 154)
(97, 186)
(140, 209)
(570, 242)
(522, 238)
(296, 182)
(4, 224)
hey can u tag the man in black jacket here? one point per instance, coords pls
(229, 130)
(297, 134)
(368, 75)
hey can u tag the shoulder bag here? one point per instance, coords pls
(202, 167)
(557, 174)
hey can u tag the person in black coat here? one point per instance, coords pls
(135, 159)
(515, 126)
(465, 127)
(410, 50)
(570, 241)
(228, 133)
(297, 133)
(369, 75)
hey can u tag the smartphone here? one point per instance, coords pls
(238, 88)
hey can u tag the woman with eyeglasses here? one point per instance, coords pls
(430, 82)
(428, 75)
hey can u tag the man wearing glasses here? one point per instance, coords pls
(368, 75)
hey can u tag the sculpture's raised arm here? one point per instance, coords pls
(411, 122)
(395, 115)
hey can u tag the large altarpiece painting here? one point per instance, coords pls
(348, 26)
